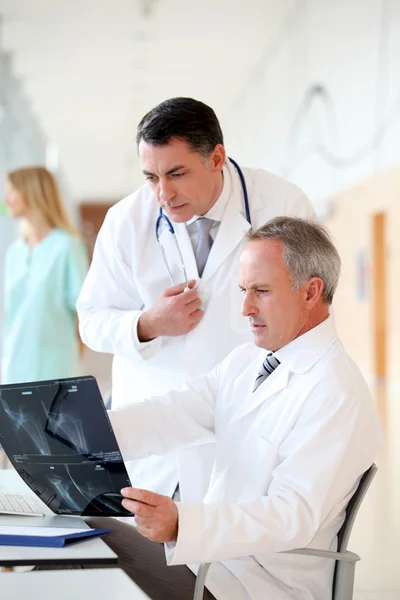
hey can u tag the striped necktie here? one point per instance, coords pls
(203, 225)
(269, 365)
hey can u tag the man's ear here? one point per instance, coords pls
(217, 158)
(314, 291)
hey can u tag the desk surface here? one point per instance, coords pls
(93, 551)
(81, 584)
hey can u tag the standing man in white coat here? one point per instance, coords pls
(295, 427)
(169, 310)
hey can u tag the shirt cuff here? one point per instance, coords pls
(146, 349)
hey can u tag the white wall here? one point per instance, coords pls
(350, 48)
(21, 143)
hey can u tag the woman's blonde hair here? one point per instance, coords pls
(39, 190)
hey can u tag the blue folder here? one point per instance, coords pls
(53, 541)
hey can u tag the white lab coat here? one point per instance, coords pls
(289, 457)
(128, 275)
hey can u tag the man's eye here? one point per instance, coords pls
(262, 292)
(150, 178)
(177, 175)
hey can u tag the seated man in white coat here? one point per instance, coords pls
(295, 428)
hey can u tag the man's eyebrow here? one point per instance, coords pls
(169, 172)
(255, 286)
(174, 169)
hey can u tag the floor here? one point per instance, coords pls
(376, 535)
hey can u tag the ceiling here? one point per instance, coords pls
(92, 68)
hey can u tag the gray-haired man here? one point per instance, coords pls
(290, 415)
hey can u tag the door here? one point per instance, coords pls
(379, 296)
(92, 216)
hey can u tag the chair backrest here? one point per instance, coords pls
(353, 508)
(351, 513)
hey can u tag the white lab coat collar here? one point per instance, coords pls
(296, 357)
(303, 352)
(217, 210)
(274, 384)
(231, 231)
(233, 226)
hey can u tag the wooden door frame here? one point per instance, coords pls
(379, 268)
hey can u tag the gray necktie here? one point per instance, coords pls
(269, 365)
(204, 243)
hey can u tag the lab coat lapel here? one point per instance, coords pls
(231, 232)
(186, 247)
(271, 386)
(172, 253)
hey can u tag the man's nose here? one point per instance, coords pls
(248, 307)
(166, 191)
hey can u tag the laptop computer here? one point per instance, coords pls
(59, 438)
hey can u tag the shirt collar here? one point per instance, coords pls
(303, 352)
(217, 210)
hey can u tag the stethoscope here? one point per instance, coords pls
(162, 217)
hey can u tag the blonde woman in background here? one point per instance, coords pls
(44, 271)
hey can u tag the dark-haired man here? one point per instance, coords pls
(171, 313)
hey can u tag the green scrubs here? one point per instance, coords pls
(41, 287)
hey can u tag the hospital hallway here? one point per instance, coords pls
(304, 97)
(375, 535)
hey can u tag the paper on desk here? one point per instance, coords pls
(38, 531)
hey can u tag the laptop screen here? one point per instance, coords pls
(58, 437)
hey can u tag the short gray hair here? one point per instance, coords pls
(308, 251)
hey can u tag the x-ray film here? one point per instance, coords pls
(59, 438)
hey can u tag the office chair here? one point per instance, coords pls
(108, 401)
(345, 567)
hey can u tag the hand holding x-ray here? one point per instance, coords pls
(156, 516)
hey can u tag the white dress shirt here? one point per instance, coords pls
(215, 213)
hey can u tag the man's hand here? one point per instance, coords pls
(176, 313)
(156, 516)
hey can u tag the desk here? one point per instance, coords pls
(93, 551)
(101, 584)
